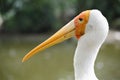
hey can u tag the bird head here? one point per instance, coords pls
(76, 27)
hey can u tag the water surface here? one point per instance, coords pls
(55, 63)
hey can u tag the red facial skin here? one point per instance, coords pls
(80, 22)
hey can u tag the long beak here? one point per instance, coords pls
(64, 33)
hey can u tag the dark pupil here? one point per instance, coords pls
(80, 19)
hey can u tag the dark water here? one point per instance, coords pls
(55, 63)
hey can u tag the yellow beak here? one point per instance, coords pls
(64, 33)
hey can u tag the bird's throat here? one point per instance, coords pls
(84, 60)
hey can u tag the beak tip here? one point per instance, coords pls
(24, 59)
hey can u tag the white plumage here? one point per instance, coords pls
(89, 45)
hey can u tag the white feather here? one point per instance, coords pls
(89, 45)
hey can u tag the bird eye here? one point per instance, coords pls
(80, 20)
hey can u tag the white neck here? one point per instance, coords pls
(84, 60)
(85, 55)
(89, 45)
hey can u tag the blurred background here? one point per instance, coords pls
(26, 23)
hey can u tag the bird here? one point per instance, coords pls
(90, 28)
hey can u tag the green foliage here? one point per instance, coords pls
(34, 16)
